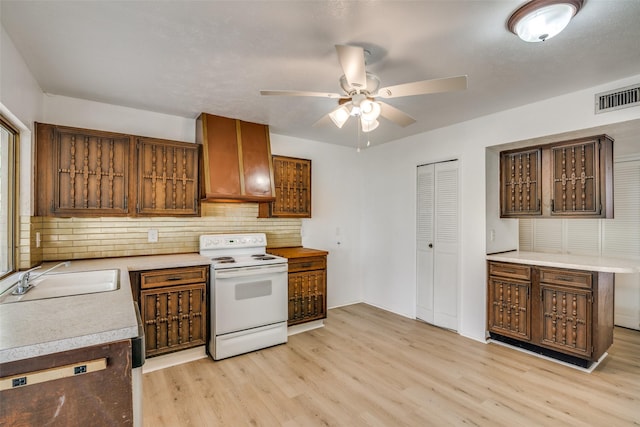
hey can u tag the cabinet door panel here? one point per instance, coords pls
(307, 296)
(292, 182)
(520, 183)
(174, 318)
(167, 178)
(91, 172)
(575, 179)
(510, 308)
(566, 317)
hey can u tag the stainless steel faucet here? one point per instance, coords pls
(25, 277)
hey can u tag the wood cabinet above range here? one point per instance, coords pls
(571, 179)
(237, 159)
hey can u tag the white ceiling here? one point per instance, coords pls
(187, 57)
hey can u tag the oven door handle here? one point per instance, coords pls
(250, 271)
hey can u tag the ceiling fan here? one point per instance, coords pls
(361, 88)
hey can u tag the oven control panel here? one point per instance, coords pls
(221, 241)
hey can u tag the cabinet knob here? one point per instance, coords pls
(431, 245)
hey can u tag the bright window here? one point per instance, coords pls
(8, 197)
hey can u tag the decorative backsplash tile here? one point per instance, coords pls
(81, 238)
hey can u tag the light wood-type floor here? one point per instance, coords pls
(369, 367)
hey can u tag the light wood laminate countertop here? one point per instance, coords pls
(39, 327)
(575, 262)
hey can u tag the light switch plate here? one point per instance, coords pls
(152, 235)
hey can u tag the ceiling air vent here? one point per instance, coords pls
(618, 98)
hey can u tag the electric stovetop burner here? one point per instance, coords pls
(224, 259)
(262, 257)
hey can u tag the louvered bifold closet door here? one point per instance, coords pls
(424, 242)
(437, 243)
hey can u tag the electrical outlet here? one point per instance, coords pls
(38, 241)
(152, 235)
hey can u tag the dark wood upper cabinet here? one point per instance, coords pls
(90, 173)
(571, 179)
(521, 179)
(292, 183)
(81, 172)
(167, 177)
(582, 177)
(236, 159)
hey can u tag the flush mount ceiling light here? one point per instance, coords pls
(539, 20)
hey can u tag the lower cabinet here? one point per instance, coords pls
(569, 312)
(90, 386)
(307, 283)
(173, 307)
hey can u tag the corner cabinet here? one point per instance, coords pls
(307, 283)
(566, 314)
(237, 159)
(81, 172)
(292, 183)
(173, 307)
(572, 179)
(167, 177)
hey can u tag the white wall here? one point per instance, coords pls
(21, 104)
(388, 228)
(501, 233)
(336, 212)
(62, 110)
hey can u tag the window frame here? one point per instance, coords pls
(13, 226)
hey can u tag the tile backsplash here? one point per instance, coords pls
(80, 238)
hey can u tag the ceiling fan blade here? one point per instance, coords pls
(352, 62)
(324, 121)
(396, 116)
(299, 93)
(424, 87)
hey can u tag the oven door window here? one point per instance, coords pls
(253, 289)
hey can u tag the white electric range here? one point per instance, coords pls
(248, 294)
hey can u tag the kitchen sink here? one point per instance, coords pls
(55, 285)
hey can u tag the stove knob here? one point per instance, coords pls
(216, 241)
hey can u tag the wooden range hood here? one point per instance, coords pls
(237, 162)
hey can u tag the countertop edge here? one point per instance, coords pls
(570, 261)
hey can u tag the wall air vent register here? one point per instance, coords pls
(618, 98)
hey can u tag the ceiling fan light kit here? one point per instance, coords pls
(540, 20)
(368, 126)
(340, 115)
(361, 89)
